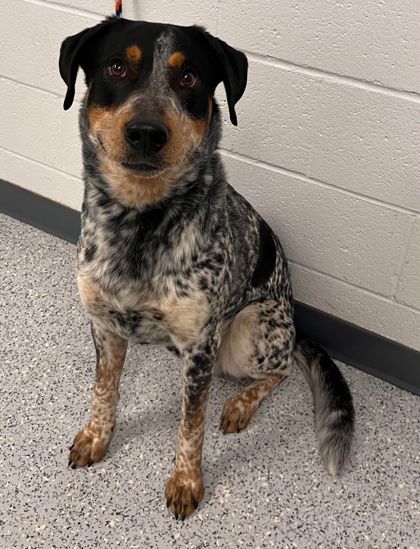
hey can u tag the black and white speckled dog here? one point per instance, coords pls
(170, 253)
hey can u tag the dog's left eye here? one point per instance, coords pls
(117, 69)
(189, 79)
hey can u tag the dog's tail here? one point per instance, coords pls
(334, 411)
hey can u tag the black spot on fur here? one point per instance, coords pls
(266, 256)
(90, 252)
(174, 350)
(200, 360)
(98, 345)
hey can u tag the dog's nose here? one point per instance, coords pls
(147, 137)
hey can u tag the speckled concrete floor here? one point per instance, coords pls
(265, 487)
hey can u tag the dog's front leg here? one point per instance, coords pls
(184, 489)
(91, 443)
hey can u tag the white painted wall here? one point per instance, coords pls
(327, 146)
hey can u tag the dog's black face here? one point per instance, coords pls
(150, 96)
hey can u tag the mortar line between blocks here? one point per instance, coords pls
(69, 9)
(32, 87)
(404, 256)
(308, 179)
(38, 163)
(382, 297)
(334, 77)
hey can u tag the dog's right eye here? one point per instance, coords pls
(117, 69)
(189, 79)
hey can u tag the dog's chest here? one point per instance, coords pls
(137, 313)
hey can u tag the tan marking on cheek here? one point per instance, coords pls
(199, 126)
(133, 54)
(186, 135)
(99, 118)
(108, 125)
(176, 60)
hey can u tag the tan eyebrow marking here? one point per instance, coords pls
(133, 54)
(176, 60)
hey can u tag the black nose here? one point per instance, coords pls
(147, 137)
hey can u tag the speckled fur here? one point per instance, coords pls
(188, 271)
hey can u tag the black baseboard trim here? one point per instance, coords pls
(40, 212)
(361, 348)
(347, 342)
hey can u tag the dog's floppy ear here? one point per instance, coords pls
(73, 54)
(233, 69)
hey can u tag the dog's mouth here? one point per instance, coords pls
(146, 169)
(142, 167)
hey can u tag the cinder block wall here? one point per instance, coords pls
(327, 146)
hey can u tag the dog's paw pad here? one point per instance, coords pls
(86, 449)
(236, 415)
(183, 493)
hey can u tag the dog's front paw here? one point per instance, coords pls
(87, 449)
(183, 493)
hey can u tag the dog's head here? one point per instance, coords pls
(150, 98)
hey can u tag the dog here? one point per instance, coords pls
(170, 253)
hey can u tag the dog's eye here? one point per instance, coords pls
(117, 69)
(189, 79)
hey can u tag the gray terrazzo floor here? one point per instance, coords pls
(265, 487)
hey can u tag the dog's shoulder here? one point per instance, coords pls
(254, 235)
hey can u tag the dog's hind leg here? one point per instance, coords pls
(257, 344)
(91, 443)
